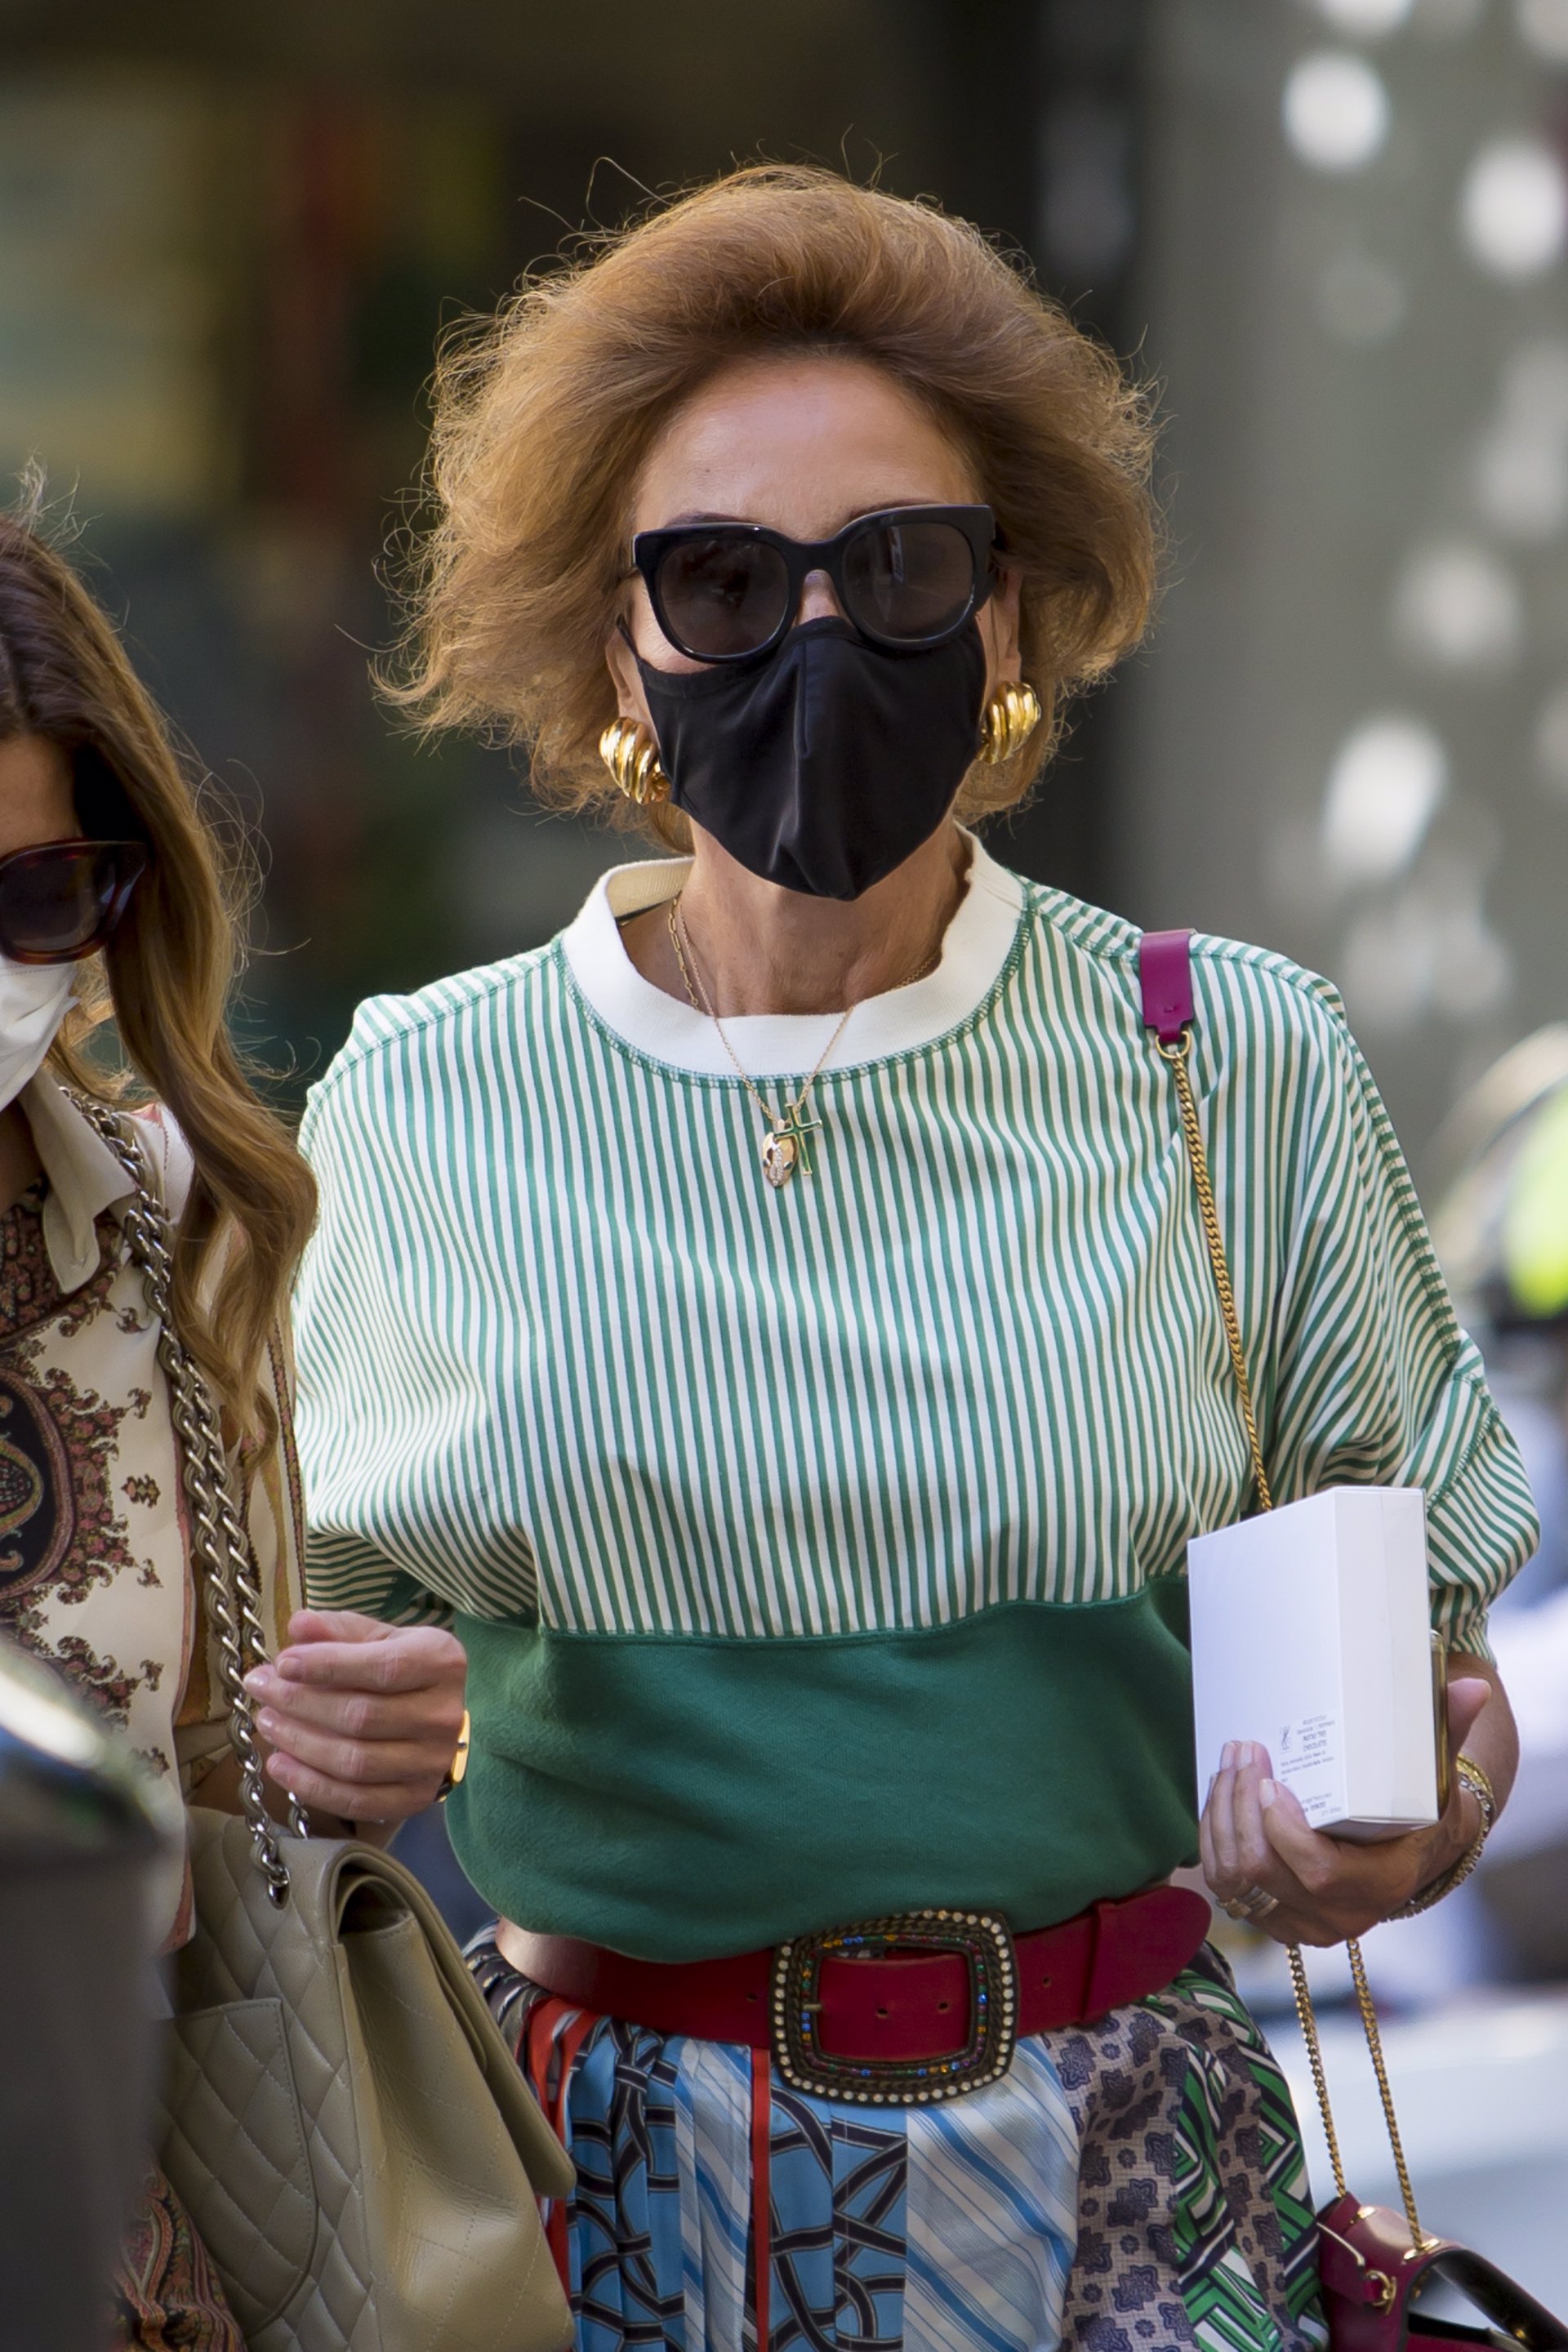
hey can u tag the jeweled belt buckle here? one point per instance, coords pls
(979, 1938)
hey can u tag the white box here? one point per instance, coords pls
(1310, 1636)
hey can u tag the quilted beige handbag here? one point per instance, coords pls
(341, 2114)
(351, 2134)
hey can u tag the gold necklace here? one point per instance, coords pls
(784, 1147)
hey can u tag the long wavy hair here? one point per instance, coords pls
(165, 979)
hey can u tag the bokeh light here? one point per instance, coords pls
(1457, 607)
(1552, 745)
(1365, 19)
(1335, 110)
(1513, 208)
(1521, 475)
(1383, 790)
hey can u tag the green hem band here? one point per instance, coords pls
(683, 1799)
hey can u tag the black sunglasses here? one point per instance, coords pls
(60, 900)
(907, 577)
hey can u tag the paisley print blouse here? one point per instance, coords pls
(94, 1573)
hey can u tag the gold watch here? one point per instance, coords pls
(458, 1765)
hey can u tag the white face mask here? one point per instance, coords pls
(33, 1000)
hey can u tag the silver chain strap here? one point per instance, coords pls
(218, 1541)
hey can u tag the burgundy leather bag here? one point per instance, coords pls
(1375, 2279)
(1387, 2282)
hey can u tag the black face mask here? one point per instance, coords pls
(825, 765)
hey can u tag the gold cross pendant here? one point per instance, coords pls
(784, 1147)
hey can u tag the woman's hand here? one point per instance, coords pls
(1253, 1834)
(361, 1719)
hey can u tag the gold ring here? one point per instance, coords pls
(1254, 1905)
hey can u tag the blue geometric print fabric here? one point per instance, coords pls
(1133, 2186)
(989, 2211)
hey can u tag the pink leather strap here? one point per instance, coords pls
(1166, 972)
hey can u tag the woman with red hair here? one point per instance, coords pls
(772, 1326)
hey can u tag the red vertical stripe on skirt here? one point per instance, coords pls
(762, 2189)
(542, 2042)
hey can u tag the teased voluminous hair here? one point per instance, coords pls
(545, 413)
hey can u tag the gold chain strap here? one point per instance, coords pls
(1178, 1053)
(1307, 2016)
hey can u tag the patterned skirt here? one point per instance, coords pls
(1131, 2186)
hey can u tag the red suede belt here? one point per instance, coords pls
(893, 2006)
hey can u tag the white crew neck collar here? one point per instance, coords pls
(974, 950)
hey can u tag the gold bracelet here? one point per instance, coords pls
(1471, 1776)
(458, 1765)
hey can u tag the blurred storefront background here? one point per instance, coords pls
(1351, 737)
(1332, 231)
(228, 242)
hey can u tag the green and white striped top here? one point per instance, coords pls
(819, 1552)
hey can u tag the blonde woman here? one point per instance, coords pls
(771, 1323)
(115, 915)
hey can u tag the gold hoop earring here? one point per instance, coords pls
(1011, 717)
(631, 755)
